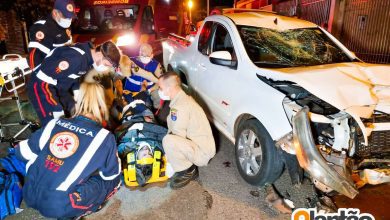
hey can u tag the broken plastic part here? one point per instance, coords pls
(311, 160)
(375, 176)
(286, 143)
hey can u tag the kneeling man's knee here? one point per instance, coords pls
(168, 142)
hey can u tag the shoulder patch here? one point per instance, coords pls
(39, 35)
(174, 114)
(63, 65)
(64, 144)
(69, 7)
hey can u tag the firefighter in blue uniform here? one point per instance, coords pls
(45, 35)
(54, 83)
(72, 164)
(144, 64)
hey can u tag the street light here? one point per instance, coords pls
(190, 4)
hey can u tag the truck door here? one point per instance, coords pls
(216, 83)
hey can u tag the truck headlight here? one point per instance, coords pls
(126, 40)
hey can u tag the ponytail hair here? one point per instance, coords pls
(91, 101)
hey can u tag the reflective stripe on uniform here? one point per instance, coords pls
(73, 76)
(50, 95)
(42, 76)
(27, 153)
(58, 114)
(61, 45)
(32, 54)
(113, 176)
(40, 22)
(38, 99)
(84, 160)
(46, 133)
(78, 50)
(36, 67)
(46, 92)
(41, 47)
(138, 82)
(51, 53)
(30, 162)
(25, 150)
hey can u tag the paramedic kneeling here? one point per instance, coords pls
(189, 142)
(72, 164)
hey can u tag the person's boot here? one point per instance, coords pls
(184, 177)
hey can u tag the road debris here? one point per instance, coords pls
(274, 200)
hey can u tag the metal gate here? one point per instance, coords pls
(316, 11)
(366, 29)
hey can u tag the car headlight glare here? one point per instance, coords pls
(126, 40)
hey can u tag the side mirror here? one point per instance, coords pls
(223, 58)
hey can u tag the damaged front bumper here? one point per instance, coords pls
(312, 161)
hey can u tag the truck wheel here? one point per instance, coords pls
(257, 159)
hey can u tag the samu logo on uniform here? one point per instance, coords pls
(342, 214)
(64, 144)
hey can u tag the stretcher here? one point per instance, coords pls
(13, 69)
(158, 170)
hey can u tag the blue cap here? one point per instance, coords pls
(66, 7)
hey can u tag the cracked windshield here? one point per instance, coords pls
(298, 47)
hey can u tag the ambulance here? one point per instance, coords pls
(127, 22)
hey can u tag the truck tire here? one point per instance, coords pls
(257, 158)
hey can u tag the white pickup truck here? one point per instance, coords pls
(288, 94)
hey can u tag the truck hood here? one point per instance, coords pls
(357, 88)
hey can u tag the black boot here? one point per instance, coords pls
(184, 177)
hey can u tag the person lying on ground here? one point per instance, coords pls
(139, 137)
